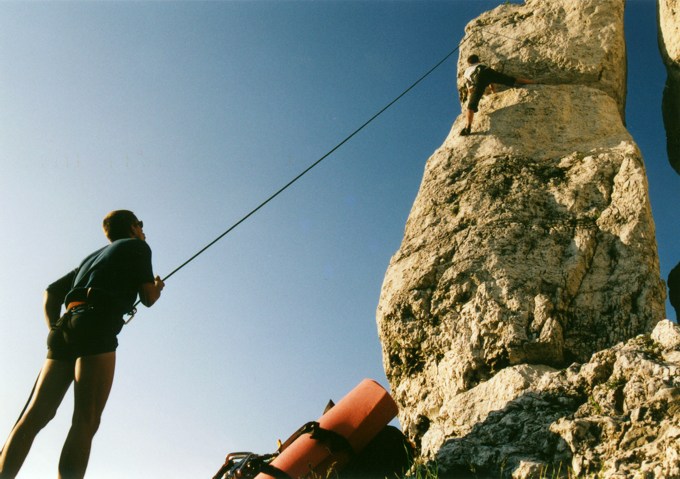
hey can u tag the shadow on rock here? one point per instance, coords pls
(518, 437)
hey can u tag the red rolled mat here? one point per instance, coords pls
(358, 417)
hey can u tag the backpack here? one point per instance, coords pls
(472, 78)
(389, 455)
(469, 82)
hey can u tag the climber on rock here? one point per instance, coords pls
(478, 78)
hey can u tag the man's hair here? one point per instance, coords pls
(117, 224)
(472, 59)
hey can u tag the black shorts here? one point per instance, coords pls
(475, 96)
(83, 331)
(487, 77)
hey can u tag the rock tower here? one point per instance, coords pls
(531, 243)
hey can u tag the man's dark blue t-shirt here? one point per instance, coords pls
(114, 273)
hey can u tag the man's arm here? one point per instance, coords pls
(54, 297)
(150, 292)
(52, 308)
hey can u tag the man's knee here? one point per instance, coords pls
(86, 421)
(35, 419)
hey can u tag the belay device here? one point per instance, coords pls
(353, 434)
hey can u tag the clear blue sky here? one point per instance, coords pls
(190, 114)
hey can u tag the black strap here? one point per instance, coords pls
(334, 441)
(248, 466)
(251, 465)
(274, 471)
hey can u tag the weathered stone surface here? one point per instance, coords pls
(630, 424)
(669, 44)
(532, 242)
(478, 402)
(530, 246)
(511, 439)
(554, 42)
(617, 415)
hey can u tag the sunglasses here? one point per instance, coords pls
(140, 224)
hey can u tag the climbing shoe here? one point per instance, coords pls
(465, 131)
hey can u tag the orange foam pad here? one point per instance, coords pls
(359, 417)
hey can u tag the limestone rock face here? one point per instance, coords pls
(531, 241)
(669, 44)
(554, 42)
(617, 415)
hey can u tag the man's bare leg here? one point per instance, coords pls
(54, 380)
(469, 116)
(93, 380)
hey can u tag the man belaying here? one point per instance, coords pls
(82, 343)
(478, 78)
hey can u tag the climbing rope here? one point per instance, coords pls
(313, 165)
(306, 170)
(329, 153)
